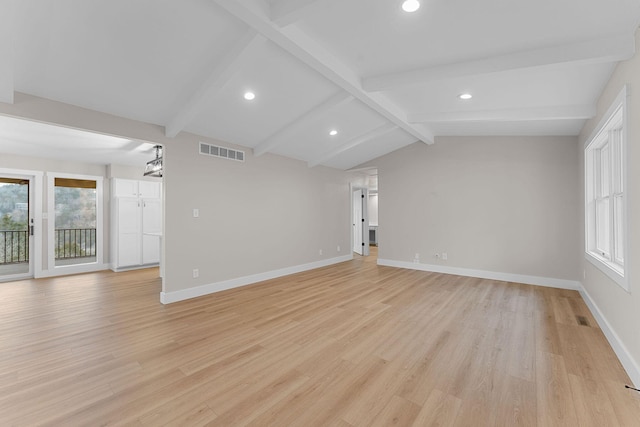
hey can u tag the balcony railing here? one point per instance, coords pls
(14, 246)
(69, 243)
(75, 243)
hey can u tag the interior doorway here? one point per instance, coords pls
(360, 221)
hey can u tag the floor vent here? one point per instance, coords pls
(225, 153)
(582, 321)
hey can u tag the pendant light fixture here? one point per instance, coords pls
(154, 167)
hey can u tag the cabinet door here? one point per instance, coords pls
(150, 189)
(128, 232)
(151, 216)
(150, 249)
(151, 223)
(124, 187)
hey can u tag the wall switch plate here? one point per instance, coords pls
(444, 255)
(320, 251)
(338, 248)
(196, 213)
(196, 273)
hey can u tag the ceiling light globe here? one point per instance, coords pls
(410, 5)
(333, 132)
(249, 96)
(465, 96)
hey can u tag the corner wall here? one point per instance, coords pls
(500, 207)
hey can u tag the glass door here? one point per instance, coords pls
(16, 227)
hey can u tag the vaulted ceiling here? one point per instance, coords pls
(381, 77)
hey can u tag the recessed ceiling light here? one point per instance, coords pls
(333, 132)
(465, 96)
(249, 96)
(410, 5)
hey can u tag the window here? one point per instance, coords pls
(605, 197)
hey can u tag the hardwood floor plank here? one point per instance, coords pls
(353, 344)
(439, 410)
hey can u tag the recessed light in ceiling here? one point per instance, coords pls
(465, 96)
(333, 132)
(410, 5)
(249, 96)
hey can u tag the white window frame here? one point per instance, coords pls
(606, 194)
(56, 270)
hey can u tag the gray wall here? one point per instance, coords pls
(494, 204)
(618, 307)
(265, 214)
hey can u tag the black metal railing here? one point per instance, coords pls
(69, 243)
(75, 243)
(14, 246)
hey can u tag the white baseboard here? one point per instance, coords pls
(493, 275)
(198, 291)
(628, 363)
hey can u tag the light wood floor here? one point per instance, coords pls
(348, 345)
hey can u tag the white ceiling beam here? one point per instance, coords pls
(610, 49)
(219, 76)
(7, 20)
(354, 142)
(301, 122)
(308, 51)
(562, 112)
(286, 12)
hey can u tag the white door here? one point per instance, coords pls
(17, 226)
(360, 222)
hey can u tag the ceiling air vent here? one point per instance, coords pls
(225, 153)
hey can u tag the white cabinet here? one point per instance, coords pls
(136, 223)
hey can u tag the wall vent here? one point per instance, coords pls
(225, 153)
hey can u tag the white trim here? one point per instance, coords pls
(198, 291)
(628, 363)
(65, 270)
(492, 275)
(622, 278)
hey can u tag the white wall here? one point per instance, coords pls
(498, 206)
(619, 309)
(372, 209)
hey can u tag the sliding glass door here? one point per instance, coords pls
(16, 231)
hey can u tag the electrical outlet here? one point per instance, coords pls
(417, 256)
(196, 273)
(437, 256)
(444, 256)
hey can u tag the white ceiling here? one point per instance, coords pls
(380, 76)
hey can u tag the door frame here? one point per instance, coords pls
(365, 216)
(35, 215)
(57, 270)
